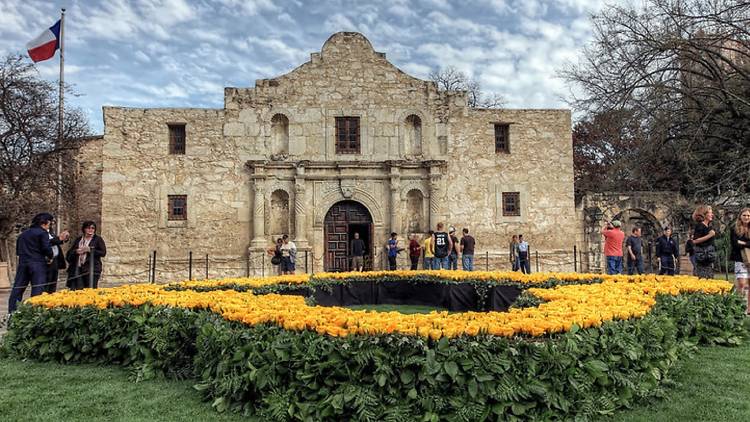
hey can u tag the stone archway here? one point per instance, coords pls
(650, 231)
(650, 210)
(342, 220)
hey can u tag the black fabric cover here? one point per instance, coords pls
(501, 297)
(454, 297)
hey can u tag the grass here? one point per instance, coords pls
(713, 386)
(32, 391)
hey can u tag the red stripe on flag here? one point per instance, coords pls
(43, 52)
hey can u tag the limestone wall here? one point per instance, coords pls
(539, 167)
(139, 174)
(267, 163)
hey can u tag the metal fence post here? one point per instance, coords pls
(487, 261)
(306, 262)
(206, 266)
(153, 268)
(263, 265)
(247, 265)
(575, 258)
(537, 260)
(150, 274)
(190, 265)
(91, 271)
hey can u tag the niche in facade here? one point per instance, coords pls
(415, 213)
(413, 132)
(279, 215)
(279, 135)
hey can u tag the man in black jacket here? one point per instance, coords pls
(33, 250)
(667, 251)
(58, 260)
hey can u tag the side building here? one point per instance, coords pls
(344, 143)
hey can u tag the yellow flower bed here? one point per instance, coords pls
(536, 278)
(586, 305)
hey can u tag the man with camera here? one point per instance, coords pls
(613, 238)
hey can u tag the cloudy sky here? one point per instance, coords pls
(181, 53)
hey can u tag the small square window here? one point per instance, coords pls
(177, 207)
(511, 204)
(176, 138)
(347, 135)
(502, 143)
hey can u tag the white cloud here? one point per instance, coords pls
(150, 53)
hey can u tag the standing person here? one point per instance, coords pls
(703, 241)
(415, 251)
(58, 260)
(613, 238)
(393, 251)
(288, 255)
(690, 251)
(275, 253)
(358, 253)
(513, 252)
(443, 245)
(634, 243)
(33, 250)
(524, 260)
(453, 257)
(429, 252)
(740, 240)
(86, 247)
(467, 250)
(667, 250)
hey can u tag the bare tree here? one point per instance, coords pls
(681, 71)
(29, 150)
(452, 79)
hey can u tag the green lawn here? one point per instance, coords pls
(713, 386)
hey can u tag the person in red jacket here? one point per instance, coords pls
(613, 238)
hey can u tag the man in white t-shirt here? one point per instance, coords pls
(288, 255)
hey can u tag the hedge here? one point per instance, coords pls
(274, 373)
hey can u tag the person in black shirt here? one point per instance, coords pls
(443, 246)
(667, 251)
(358, 253)
(467, 251)
(635, 252)
(703, 241)
(33, 250)
(739, 238)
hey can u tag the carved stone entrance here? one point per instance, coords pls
(341, 222)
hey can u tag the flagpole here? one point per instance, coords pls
(60, 122)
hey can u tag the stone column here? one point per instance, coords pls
(300, 211)
(259, 219)
(434, 199)
(395, 203)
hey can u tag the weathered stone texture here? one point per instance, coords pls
(425, 157)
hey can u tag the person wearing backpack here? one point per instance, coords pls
(443, 246)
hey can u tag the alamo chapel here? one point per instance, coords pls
(344, 143)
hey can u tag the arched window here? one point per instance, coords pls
(415, 213)
(279, 215)
(413, 136)
(279, 135)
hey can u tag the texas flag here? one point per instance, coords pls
(43, 47)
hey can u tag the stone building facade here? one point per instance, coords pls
(345, 142)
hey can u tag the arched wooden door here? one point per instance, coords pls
(341, 222)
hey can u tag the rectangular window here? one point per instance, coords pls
(177, 207)
(502, 143)
(176, 138)
(511, 204)
(347, 135)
